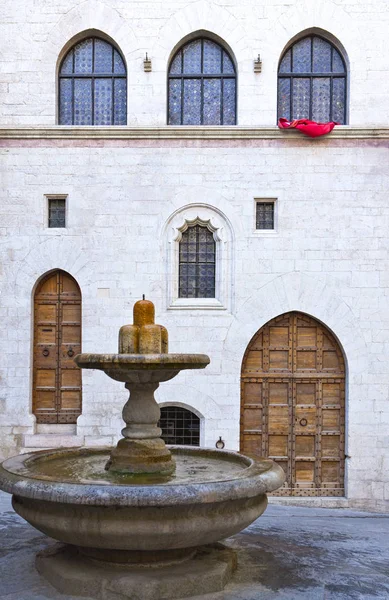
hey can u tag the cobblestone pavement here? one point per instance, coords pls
(290, 553)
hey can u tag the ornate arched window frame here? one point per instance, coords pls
(216, 222)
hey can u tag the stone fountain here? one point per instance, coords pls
(141, 520)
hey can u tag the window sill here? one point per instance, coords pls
(265, 233)
(196, 304)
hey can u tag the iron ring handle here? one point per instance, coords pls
(45, 352)
(303, 422)
(70, 352)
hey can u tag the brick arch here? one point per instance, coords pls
(293, 403)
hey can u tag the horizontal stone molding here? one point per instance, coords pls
(185, 132)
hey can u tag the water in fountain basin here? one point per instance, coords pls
(83, 468)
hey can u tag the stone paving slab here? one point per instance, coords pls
(290, 553)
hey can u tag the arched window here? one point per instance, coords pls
(197, 263)
(202, 85)
(312, 81)
(93, 85)
(179, 426)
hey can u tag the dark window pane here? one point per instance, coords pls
(192, 102)
(212, 58)
(179, 426)
(212, 93)
(175, 67)
(265, 215)
(302, 56)
(286, 63)
(301, 98)
(229, 102)
(57, 210)
(284, 97)
(308, 84)
(192, 57)
(228, 67)
(338, 100)
(118, 64)
(66, 101)
(321, 56)
(337, 63)
(103, 101)
(103, 57)
(120, 102)
(175, 101)
(83, 101)
(67, 65)
(83, 57)
(202, 100)
(94, 99)
(321, 99)
(197, 263)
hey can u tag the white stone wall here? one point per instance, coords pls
(35, 33)
(328, 258)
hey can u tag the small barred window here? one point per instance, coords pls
(265, 215)
(57, 212)
(179, 426)
(197, 263)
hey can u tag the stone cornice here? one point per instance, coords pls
(182, 133)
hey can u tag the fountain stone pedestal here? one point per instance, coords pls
(141, 520)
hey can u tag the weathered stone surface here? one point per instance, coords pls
(209, 571)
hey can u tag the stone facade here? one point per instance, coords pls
(127, 190)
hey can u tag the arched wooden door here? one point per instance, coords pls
(57, 339)
(293, 404)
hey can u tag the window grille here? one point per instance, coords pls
(57, 213)
(93, 85)
(265, 215)
(197, 263)
(179, 426)
(202, 85)
(312, 82)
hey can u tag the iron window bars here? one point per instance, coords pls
(312, 81)
(197, 263)
(93, 85)
(202, 85)
(264, 218)
(179, 426)
(57, 212)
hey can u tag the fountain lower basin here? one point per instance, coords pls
(139, 519)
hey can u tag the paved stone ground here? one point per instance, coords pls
(290, 553)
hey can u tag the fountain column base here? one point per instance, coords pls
(141, 456)
(71, 573)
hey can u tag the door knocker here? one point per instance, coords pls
(70, 352)
(303, 422)
(45, 352)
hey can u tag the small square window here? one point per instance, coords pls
(264, 217)
(57, 212)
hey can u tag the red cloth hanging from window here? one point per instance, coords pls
(310, 128)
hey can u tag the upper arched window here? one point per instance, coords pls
(93, 85)
(202, 85)
(312, 81)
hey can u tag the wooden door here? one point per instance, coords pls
(293, 404)
(57, 339)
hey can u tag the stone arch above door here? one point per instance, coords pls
(57, 339)
(293, 403)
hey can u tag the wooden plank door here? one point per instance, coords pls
(57, 339)
(293, 380)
